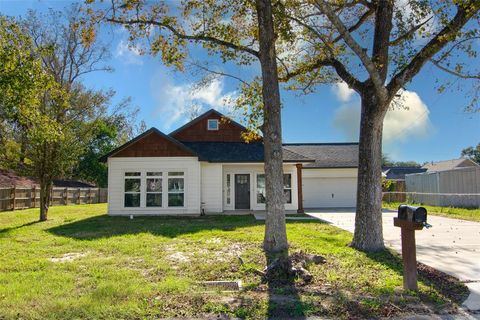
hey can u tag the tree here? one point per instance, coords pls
(214, 25)
(109, 132)
(43, 59)
(377, 48)
(472, 153)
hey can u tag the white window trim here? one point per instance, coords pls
(173, 192)
(291, 188)
(143, 188)
(213, 129)
(154, 192)
(125, 177)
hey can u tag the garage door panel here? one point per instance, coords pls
(329, 192)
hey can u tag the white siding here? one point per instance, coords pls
(116, 171)
(211, 187)
(328, 188)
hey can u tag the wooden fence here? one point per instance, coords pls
(23, 198)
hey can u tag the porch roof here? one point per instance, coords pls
(238, 152)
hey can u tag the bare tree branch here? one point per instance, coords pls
(408, 34)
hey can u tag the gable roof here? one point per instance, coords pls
(327, 155)
(398, 173)
(238, 152)
(450, 164)
(143, 135)
(203, 116)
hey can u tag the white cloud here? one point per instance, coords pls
(129, 54)
(174, 102)
(342, 91)
(400, 124)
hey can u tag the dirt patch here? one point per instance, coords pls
(68, 257)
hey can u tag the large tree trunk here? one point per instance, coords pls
(275, 240)
(368, 235)
(45, 189)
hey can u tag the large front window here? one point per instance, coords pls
(176, 189)
(154, 189)
(132, 189)
(287, 188)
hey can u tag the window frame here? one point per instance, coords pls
(217, 125)
(168, 192)
(158, 175)
(139, 192)
(284, 188)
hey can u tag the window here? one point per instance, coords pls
(260, 188)
(132, 189)
(287, 188)
(228, 188)
(176, 189)
(154, 189)
(212, 124)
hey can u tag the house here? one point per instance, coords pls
(449, 164)
(398, 173)
(206, 165)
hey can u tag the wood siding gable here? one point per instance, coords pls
(152, 143)
(197, 131)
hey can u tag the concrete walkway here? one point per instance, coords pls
(451, 245)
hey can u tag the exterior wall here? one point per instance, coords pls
(456, 188)
(227, 131)
(327, 188)
(211, 181)
(253, 170)
(116, 172)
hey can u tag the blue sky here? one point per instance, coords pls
(435, 127)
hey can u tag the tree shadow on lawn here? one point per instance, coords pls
(447, 285)
(104, 226)
(6, 230)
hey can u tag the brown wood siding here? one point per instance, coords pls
(153, 145)
(227, 131)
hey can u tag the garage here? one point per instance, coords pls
(329, 192)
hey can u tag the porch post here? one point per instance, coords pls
(299, 188)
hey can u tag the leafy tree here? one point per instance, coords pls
(472, 153)
(377, 48)
(386, 162)
(110, 131)
(214, 25)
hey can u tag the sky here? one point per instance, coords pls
(433, 127)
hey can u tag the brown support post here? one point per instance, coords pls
(65, 195)
(409, 254)
(299, 188)
(78, 195)
(13, 193)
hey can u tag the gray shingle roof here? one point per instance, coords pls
(397, 173)
(237, 152)
(327, 155)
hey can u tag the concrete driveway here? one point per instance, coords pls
(451, 245)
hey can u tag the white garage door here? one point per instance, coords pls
(329, 192)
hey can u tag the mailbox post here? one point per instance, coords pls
(409, 220)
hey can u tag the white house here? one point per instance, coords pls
(206, 166)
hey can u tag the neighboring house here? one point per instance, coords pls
(449, 164)
(206, 165)
(398, 173)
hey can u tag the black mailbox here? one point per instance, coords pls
(413, 214)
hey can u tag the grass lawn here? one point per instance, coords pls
(82, 264)
(449, 212)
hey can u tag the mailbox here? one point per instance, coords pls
(413, 214)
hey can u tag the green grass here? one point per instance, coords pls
(449, 212)
(82, 264)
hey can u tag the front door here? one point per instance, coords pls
(242, 191)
